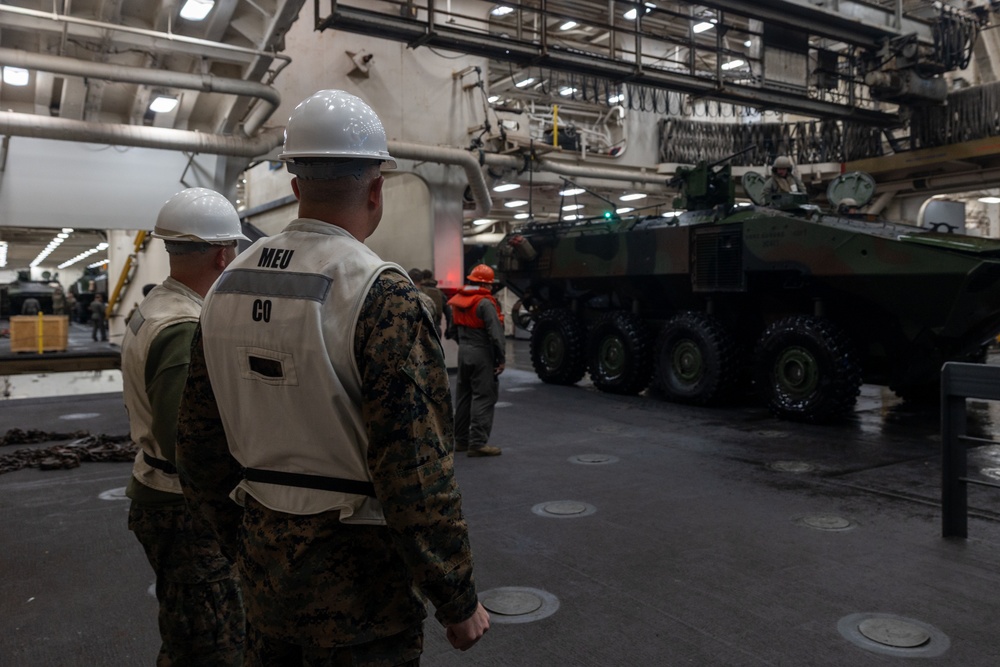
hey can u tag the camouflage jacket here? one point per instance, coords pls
(310, 579)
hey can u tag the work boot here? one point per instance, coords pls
(485, 450)
(461, 447)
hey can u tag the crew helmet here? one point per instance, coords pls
(782, 162)
(334, 125)
(198, 214)
(481, 274)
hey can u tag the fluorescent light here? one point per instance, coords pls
(615, 99)
(483, 221)
(492, 98)
(163, 104)
(522, 216)
(702, 27)
(514, 203)
(626, 209)
(568, 25)
(567, 91)
(501, 10)
(573, 217)
(196, 10)
(990, 200)
(526, 82)
(506, 187)
(572, 207)
(3, 253)
(632, 13)
(67, 230)
(671, 214)
(633, 196)
(572, 191)
(15, 76)
(733, 64)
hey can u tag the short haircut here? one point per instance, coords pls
(346, 190)
(176, 248)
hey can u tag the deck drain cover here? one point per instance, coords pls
(593, 459)
(893, 635)
(563, 509)
(894, 632)
(114, 494)
(826, 522)
(517, 604)
(791, 466)
(512, 602)
(80, 415)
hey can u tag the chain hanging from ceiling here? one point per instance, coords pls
(969, 114)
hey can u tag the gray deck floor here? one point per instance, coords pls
(695, 546)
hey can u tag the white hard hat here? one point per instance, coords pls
(335, 124)
(198, 214)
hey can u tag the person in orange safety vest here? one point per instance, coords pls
(481, 344)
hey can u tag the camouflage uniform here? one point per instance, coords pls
(200, 606)
(313, 585)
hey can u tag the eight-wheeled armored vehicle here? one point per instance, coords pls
(797, 303)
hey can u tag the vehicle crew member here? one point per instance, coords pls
(783, 179)
(201, 609)
(481, 344)
(324, 374)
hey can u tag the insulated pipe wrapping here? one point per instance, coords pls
(578, 170)
(65, 129)
(152, 77)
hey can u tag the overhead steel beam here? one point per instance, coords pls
(417, 33)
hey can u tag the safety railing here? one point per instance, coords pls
(958, 383)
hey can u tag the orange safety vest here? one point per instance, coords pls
(464, 306)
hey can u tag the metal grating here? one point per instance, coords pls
(718, 260)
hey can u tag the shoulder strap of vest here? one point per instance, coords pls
(320, 482)
(159, 464)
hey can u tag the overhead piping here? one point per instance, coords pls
(455, 156)
(153, 77)
(169, 36)
(65, 129)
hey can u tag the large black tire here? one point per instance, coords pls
(929, 392)
(557, 346)
(696, 360)
(618, 354)
(807, 369)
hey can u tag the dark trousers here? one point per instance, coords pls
(477, 391)
(201, 615)
(401, 650)
(100, 326)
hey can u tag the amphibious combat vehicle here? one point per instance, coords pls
(795, 303)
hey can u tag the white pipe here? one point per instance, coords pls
(447, 155)
(152, 77)
(116, 27)
(578, 170)
(65, 129)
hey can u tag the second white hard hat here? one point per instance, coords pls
(198, 214)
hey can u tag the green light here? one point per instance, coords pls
(608, 215)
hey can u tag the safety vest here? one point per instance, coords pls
(166, 305)
(278, 329)
(464, 306)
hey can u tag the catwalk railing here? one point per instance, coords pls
(958, 383)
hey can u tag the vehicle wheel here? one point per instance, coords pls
(929, 392)
(696, 360)
(557, 346)
(618, 351)
(807, 369)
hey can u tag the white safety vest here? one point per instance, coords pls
(278, 330)
(166, 305)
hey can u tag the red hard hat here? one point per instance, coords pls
(481, 274)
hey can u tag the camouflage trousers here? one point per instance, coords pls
(201, 615)
(477, 391)
(400, 650)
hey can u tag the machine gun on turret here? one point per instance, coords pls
(703, 187)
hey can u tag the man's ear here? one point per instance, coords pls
(375, 192)
(221, 257)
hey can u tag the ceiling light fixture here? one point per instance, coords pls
(567, 91)
(572, 207)
(990, 200)
(163, 104)
(15, 76)
(733, 64)
(514, 203)
(626, 209)
(702, 27)
(671, 214)
(492, 99)
(632, 13)
(483, 221)
(501, 10)
(196, 10)
(572, 192)
(568, 25)
(522, 216)
(573, 217)
(506, 187)
(97, 264)
(633, 196)
(615, 99)
(83, 255)
(526, 82)
(3, 253)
